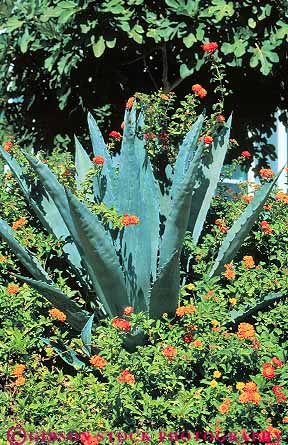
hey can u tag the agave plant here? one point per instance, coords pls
(138, 265)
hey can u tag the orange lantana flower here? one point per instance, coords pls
(248, 262)
(18, 370)
(126, 377)
(12, 289)
(183, 310)
(19, 223)
(98, 361)
(245, 330)
(55, 313)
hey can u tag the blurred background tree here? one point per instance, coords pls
(62, 58)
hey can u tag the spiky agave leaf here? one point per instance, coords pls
(241, 228)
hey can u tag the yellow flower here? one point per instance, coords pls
(215, 322)
(240, 385)
(190, 286)
(217, 374)
(213, 383)
(232, 300)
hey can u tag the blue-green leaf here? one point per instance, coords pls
(165, 290)
(98, 252)
(68, 355)
(86, 335)
(241, 228)
(208, 176)
(82, 163)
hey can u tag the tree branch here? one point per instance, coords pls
(165, 81)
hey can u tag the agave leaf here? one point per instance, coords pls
(105, 184)
(76, 317)
(177, 221)
(241, 228)
(86, 335)
(68, 355)
(98, 252)
(186, 153)
(82, 163)
(263, 303)
(165, 290)
(208, 177)
(136, 241)
(25, 257)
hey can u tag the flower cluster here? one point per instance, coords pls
(268, 371)
(130, 102)
(18, 372)
(245, 330)
(246, 154)
(266, 173)
(97, 361)
(266, 227)
(55, 313)
(126, 220)
(229, 273)
(7, 146)
(128, 311)
(210, 47)
(248, 262)
(199, 90)
(122, 324)
(183, 310)
(19, 223)
(247, 198)
(280, 396)
(12, 289)
(126, 377)
(169, 352)
(115, 135)
(98, 160)
(220, 223)
(86, 438)
(250, 394)
(281, 196)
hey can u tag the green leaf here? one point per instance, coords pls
(189, 40)
(12, 24)
(185, 71)
(241, 228)
(99, 47)
(252, 23)
(24, 41)
(111, 43)
(76, 317)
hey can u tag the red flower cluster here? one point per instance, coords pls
(210, 47)
(128, 311)
(126, 377)
(169, 352)
(187, 338)
(199, 90)
(149, 136)
(86, 438)
(126, 220)
(268, 371)
(220, 118)
(208, 140)
(99, 160)
(115, 135)
(7, 146)
(246, 154)
(220, 223)
(277, 362)
(67, 173)
(266, 227)
(122, 324)
(280, 397)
